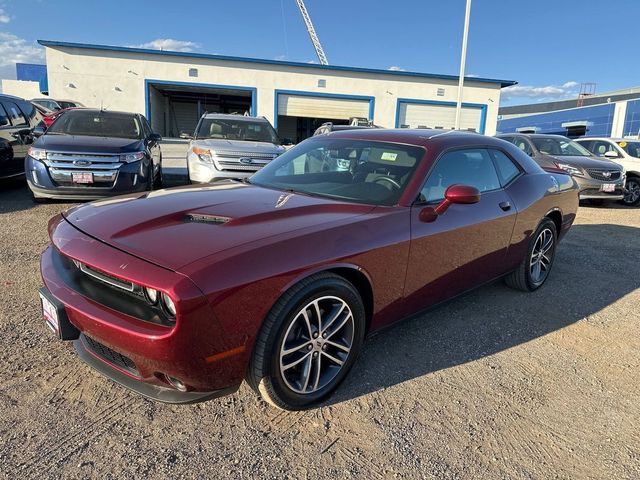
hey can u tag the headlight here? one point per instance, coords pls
(37, 153)
(132, 157)
(571, 170)
(204, 154)
(168, 304)
(151, 294)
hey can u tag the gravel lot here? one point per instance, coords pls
(496, 384)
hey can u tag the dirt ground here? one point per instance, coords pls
(496, 384)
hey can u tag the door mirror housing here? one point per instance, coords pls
(38, 131)
(186, 135)
(458, 194)
(155, 137)
(611, 154)
(286, 141)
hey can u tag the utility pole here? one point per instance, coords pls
(463, 58)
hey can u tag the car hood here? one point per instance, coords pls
(239, 146)
(175, 227)
(585, 162)
(88, 144)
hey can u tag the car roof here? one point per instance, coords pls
(12, 97)
(97, 110)
(233, 116)
(612, 139)
(418, 136)
(532, 135)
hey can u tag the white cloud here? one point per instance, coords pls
(14, 50)
(169, 44)
(541, 94)
(395, 68)
(4, 18)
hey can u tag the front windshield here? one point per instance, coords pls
(96, 124)
(249, 130)
(632, 148)
(354, 170)
(560, 147)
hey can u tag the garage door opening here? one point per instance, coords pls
(174, 109)
(298, 116)
(440, 115)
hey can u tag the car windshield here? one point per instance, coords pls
(560, 147)
(96, 124)
(249, 130)
(354, 170)
(632, 148)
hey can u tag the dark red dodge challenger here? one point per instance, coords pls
(181, 294)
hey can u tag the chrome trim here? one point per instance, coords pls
(601, 197)
(121, 284)
(253, 155)
(99, 177)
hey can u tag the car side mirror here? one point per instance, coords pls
(286, 141)
(611, 154)
(155, 137)
(38, 131)
(186, 135)
(458, 194)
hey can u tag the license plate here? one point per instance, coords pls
(50, 314)
(82, 177)
(608, 187)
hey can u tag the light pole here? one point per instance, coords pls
(463, 58)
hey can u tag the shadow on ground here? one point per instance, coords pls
(586, 278)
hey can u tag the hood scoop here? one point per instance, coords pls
(204, 218)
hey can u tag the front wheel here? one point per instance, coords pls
(536, 266)
(308, 342)
(632, 197)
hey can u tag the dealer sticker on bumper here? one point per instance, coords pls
(608, 187)
(50, 314)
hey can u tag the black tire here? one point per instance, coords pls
(633, 185)
(264, 374)
(522, 278)
(157, 181)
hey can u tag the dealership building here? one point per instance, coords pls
(612, 114)
(173, 89)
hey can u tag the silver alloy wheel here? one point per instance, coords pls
(541, 256)
(633, 191)
(316, 344)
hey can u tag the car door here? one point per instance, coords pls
(466, 246)
(15, 138)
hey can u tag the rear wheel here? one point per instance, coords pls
(632, 197)
(308, 342)
(536, 266)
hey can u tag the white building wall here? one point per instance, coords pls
(116, 80)
(21, 88)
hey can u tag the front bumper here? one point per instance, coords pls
(139, 353)
(591, 189)
(130, 178)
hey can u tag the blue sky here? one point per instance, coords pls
(548, 46)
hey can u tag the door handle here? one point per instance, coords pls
(506, 206)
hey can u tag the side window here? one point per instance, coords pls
(146, 128)
(523, 145)
(15, 115)
(27, 108)
(472, 167)
(507, 170)
(4, 118)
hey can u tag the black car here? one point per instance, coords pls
(17, 119)
(88, 154)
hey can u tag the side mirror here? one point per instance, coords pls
(458, 194)
(611, 154)
(286, 141)
(155, 137)
(38, 131)
(186, 136)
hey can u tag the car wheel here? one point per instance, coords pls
(632, 197)
(308, 342)
(536, 266)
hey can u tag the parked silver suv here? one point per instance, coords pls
(230, 146)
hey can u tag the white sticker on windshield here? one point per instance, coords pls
(391, 157)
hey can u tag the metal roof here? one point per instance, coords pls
(87, 46)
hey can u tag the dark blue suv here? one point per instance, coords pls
(87, 154)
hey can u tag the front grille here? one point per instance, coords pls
(604, 175)
(110, 356)
(242, 161)
(104, 168)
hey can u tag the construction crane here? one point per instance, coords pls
(312, 33)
